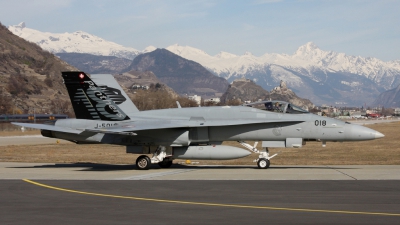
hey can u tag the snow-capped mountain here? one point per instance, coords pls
(307, 59)
(321, 76)
(76, 42)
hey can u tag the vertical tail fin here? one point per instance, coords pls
(114, 91)
(89, 101)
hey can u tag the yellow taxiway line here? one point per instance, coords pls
(210, 204)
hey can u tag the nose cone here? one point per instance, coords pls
(361, 133)
(378, 135)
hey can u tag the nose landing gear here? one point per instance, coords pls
(263, 161)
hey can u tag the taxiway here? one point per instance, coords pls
(38, 193)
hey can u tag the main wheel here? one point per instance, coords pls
(165, 163)
(263, 163)
(143, 162)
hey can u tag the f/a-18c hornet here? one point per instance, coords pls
(106, 115)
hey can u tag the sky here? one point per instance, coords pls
(355, 27)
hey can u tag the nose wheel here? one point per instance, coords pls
(263, 163)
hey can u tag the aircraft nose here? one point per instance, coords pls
(378, 135)
(360, 133)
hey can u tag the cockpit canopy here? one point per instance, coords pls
(277, 106)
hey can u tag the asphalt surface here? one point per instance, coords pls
(120, 194)
(93, 171)
(200, 202)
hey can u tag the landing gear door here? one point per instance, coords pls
(294, 142)
(199, 134)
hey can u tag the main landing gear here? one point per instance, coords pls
(143, 162)
(160, 156)
(263, 161)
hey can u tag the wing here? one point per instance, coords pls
(129, 128)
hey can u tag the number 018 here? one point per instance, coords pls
(320, 123)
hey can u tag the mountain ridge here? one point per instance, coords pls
(389, 98)
(325, 77)
(307, 57)
(76, 42)
(245, 90)
(30, 77)
(183, 75)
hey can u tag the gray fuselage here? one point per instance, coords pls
(217, 124)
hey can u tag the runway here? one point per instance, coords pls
(199, 202)
(93, 171)
(120, 194)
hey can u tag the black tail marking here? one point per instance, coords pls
(89, 100)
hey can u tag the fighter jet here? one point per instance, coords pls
(106, 115)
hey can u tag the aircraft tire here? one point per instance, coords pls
(263, 163)
(165, 164)
(143, 162)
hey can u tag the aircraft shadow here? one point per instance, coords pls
(272, 167)
(116, 167)
(85, 166)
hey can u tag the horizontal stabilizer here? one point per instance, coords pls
(48, 127)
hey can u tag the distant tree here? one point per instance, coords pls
(5, 103)
(21, 84)
(314, 110)
(233, 102)
(185, 102)
(158, 99)
(209, 103)
(48, 81)
(387, 111)
(58, 106)
(15, 85)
